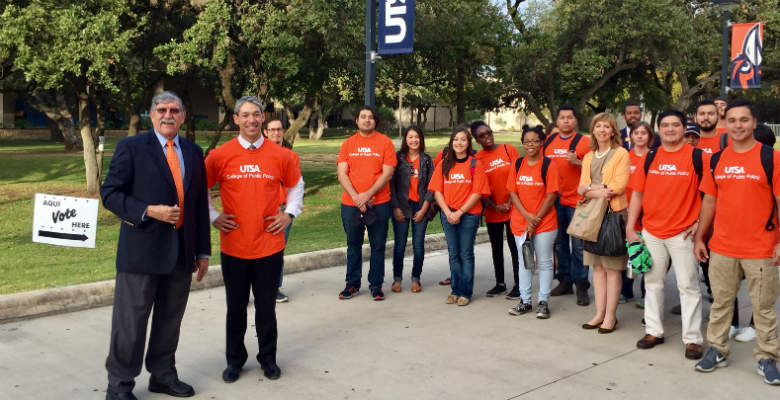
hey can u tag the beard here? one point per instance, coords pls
(707, 126)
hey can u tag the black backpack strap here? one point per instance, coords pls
(649, 160)
(548, 141)
(545, 167)
(724, 141)
(698, 163)
(768, 164)
(444, 152)
(574, 142)
(518, 163)
(714, 162)
(472, 167)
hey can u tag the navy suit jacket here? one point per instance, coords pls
(624, 135)
(138, 177)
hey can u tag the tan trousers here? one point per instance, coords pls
(763, 287)
(686, 269)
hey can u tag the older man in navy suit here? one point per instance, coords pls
(157, 185)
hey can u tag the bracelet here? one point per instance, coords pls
(589, 187)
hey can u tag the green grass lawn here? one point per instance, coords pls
(38, 166)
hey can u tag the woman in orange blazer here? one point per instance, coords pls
(605, 173)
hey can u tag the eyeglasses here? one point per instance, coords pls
(531, 141)
(173, 111)
(275, 130)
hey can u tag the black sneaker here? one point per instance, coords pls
(281, 297)
(497, 290)
(542, 310)
(377, 294)
(513, 294)
(520, 309)
(644, 323)
(562, 289)
(677, 310)
(349, 292)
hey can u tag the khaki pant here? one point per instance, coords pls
(686, 268)
(763, 287)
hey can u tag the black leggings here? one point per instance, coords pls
(496, 234)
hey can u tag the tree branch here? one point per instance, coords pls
(530, 103)
(601, 82)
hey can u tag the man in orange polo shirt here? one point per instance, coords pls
(567, 156)
(741, 188)
(366, 163)
(251, 171)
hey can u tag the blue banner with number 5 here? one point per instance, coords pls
(396, 26)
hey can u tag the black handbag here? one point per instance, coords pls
(612, 237)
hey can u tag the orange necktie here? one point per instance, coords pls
(173, 163)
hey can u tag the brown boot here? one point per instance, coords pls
(693, 351)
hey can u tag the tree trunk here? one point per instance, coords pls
(90, 158)
(460, 94)
(303, 117)
(452, 118)
(56, 109)
(551, 105)
(425, 109)
(189, 117)
(100, 131)
(134, 122)
(218, 133)
(322, 117)
(55, 133)
(419, 114)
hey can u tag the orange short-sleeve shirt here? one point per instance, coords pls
(529, 186)
(249, 184)
(460, 184)
(283, 193)
(366, 157)
(744, 202)
(569, 173)
(497, 164)
(635, 160)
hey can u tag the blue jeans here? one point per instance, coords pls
(377, 238)
(286, 236)
(460, 243)
(570, 268)
(543, 246)
(401, 231)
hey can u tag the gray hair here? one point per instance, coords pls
(247, 99)
(166, 97)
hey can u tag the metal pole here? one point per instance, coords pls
(370, 53)
(724, 72)
(400, 107)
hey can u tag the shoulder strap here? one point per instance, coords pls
(507, 152)
(714, 162)
(444, 152)
(473, 166)
(724, 140)
(649, 160)
(698, 164)
(768, 164)
(548, 141)
(574, 141)
(545, 167)
(518, 163)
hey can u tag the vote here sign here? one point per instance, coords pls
(396, 26)
(65, 221)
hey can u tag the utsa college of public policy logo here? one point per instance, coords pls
(364, 151)
(249, 171)
(746, 48)
(457, 178)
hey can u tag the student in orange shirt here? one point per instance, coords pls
(744, 241)
(667, 193)
(641, 136)
(721, 103)
(251, 172)
(498, 160)
(605, 172)
(459, 182)
(366, 164)
(533, 195)
(707, 116)
(275, 132)
(571, 270)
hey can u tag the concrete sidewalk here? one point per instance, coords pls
(410, 346)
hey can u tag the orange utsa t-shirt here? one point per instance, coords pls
(283, 193)
(249, 184)
(459, 185)
(366, 157)
(671, 199)
(569, 174)
(529, 186)
(744, 202)
(711, 145)
(497, 164)
(635, 160)
(415, 179)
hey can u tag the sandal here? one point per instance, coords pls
(396, 286)
(416, 288)
(446, 282)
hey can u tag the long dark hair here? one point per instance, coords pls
(405, 147)
(450, 160)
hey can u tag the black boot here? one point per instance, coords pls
(582, 293)
(561, 289)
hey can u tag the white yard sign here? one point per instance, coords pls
(65, 221)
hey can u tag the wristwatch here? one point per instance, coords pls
(292, 216)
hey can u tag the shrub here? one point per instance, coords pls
(21, 124)
(203, 124)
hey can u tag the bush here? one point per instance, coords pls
(501, 122)
(21, 124)
(203, 124)
(386, 118)
(110, 124)
(473, 115)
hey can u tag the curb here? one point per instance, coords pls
(42, 303)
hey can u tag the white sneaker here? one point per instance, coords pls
(733, 331)
(746, 334)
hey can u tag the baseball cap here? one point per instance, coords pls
(693, 128)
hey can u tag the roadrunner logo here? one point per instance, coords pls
(746, 65)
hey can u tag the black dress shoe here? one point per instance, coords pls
(271, 370)
(231, 373)
(175, 388)
(120, 396)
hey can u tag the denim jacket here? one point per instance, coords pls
(400, 182)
